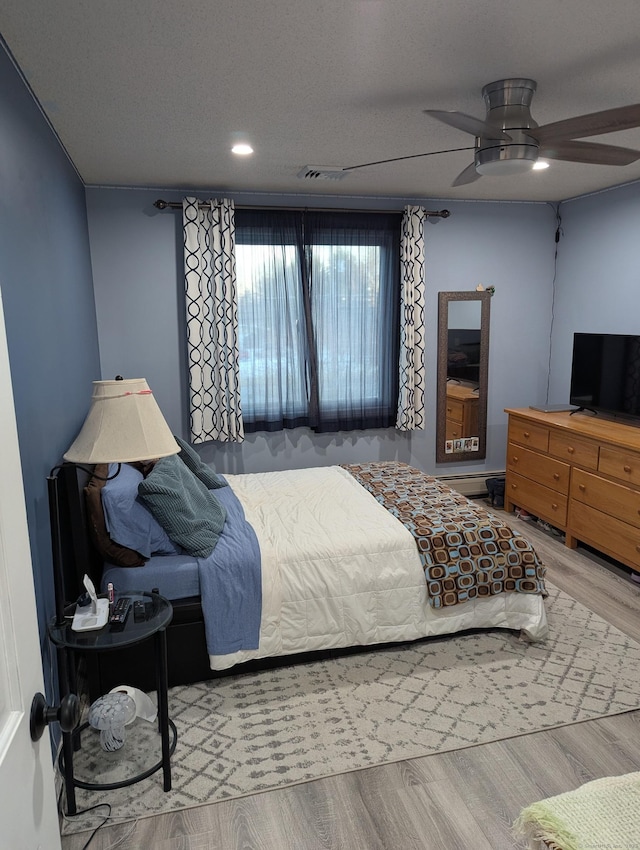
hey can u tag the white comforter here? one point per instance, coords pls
(339, 570)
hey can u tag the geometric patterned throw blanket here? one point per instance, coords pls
(466, 551)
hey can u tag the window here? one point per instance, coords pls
(318, 302)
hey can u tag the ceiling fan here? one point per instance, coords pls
(509, 141)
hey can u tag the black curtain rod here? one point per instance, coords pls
(174, 205)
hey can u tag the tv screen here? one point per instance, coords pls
(605, 373)
(463, 356)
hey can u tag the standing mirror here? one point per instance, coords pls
(463, 370)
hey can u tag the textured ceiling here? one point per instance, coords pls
(154, 93)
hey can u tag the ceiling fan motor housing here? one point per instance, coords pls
(507, 103)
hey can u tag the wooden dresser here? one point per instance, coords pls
(580, 473)
(462, 412)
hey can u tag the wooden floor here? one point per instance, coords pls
(464, 800)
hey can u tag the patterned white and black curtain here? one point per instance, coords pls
(212, 320)
(412, 306)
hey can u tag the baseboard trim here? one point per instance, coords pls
(470, 483)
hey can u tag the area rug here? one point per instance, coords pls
(249, 733)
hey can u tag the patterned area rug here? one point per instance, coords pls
(259, 731)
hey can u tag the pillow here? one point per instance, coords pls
(129, 521)
(208, 477)
(107, 548)
(191, 515)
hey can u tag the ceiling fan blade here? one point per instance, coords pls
(594, 124)
(596, 154)
(469, 124)
(399, 158)
(469, 175)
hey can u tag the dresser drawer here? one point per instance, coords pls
(528, 434)
(536, 499)
(574, 449)
(620, 464)
(455, 409)
(608, 497)
(608, 534)
(545, 470)
(453, 430)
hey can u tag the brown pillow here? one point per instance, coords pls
(109, 550)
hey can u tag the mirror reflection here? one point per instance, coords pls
(463, 350)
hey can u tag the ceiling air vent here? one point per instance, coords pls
(322, 172)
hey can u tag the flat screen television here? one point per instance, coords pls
(605, 374)
(463, 356)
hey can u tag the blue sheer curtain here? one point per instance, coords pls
(272, 328)
(318, 297)
(353, 263)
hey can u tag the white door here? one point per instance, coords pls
(28, 817)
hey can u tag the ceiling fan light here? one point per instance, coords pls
(504, 167)
(504, 160)
(242, 150)
(540, 165)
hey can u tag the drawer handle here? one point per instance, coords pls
(515, 458)
(581, 487)
(554, 507)
(555, 476)
(637, 548)
(514, 486)
(627, 469)
(571, 450)
(526, 434)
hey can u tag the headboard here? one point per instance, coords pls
(73, 552)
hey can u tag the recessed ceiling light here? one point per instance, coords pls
(242, 150)
(540, 164)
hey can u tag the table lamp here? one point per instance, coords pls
(124, 424)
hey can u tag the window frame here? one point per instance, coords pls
(308, 230)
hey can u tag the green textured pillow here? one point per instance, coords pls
(189, 513)
(208, 477)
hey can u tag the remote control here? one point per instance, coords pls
(120, 613)
(139, 611)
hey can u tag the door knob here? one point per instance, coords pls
(67, 714)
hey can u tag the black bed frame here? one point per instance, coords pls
(187, 657)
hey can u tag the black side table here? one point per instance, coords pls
(68, 642)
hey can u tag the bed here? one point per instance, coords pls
(339, 558)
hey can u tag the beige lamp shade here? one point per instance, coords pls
(124, 424)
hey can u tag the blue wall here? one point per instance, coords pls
(93, 291)
(137, 266)
(598, 280)
(45, 275)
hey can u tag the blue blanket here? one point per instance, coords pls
(231, 583)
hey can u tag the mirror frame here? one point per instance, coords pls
(444, 299)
